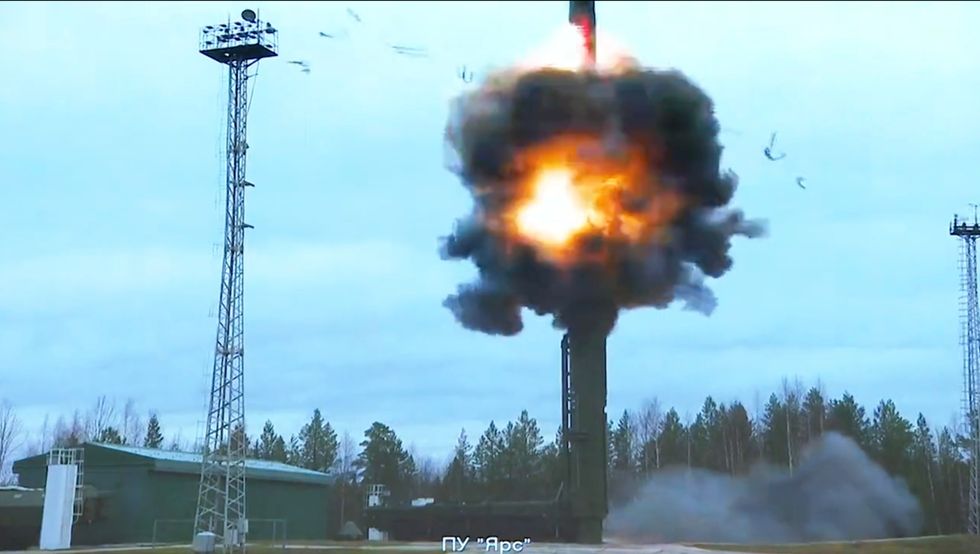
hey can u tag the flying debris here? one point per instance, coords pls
(339, 34)
(305, 65)
(800, 181)
(768, 150)
(411, 51)
(464, 74)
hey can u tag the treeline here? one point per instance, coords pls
(514, 461)
(724, 438)
(104, 422)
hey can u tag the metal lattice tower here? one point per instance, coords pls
(970, 340)
(221, 497)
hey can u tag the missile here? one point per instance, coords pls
(582, 15)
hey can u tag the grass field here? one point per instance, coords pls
(952, 544)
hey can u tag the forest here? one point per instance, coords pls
(515, 461)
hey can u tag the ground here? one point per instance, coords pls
(954, 544)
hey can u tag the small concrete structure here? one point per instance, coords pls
(204, 543)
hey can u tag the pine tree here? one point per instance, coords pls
(847, 417)
(815, 413)
(294, 452)
(554, 466)
(489, 461)
(892, 438)
(622, 444)
(610, 451)
(279, 452)
(950, 483)
(319, 444)
(774, 437)
(384, 461)
(523, 443)
(673, 440)
(459, 474)
(705, 437)
(739, 437)
(266, 442)
(109, 435)
(154, 435)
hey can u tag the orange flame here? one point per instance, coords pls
(575, 188)
(556, 211)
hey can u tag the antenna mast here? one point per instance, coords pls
(221, 496)
(970, 340)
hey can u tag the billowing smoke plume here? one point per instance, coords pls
(659, 117)
(836, 493)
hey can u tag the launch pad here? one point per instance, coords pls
(577, 511)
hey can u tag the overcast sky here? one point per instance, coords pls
(111, 211)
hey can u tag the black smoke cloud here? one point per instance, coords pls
(660, 112)
(836, 493)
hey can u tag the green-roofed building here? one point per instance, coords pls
(143, 495)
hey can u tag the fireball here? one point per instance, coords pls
(556, 210)
(596, 185)
(577, 187)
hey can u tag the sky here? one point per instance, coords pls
(111, 212)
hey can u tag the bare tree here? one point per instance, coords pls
(11, 439)
(647, 431)
(133, 426)
(347, 453)
(101, 417)
(176, 443)
(428, 470)
(67, 434)
(39, 442)
(345, 460)
(792, 395)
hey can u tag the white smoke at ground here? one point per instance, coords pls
(835, 493)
